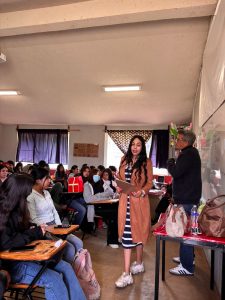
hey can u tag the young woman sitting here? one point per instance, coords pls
(3, 173)
(60, 176)
(74, 171)
(16, 230)
(42, 210)
(107, 180)
(94, 192)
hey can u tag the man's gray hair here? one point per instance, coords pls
(188, 136)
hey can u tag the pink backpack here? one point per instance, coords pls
(83, 268)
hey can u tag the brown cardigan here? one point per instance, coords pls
(139, 207)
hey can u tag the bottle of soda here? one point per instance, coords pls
(194, 220)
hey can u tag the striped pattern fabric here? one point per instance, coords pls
(127, 237)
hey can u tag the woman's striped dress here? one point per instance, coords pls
(127, 237)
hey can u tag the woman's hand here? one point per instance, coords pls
(137, 194)
(43, 228)
(119, 190)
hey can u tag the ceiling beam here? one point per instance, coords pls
(100, 13)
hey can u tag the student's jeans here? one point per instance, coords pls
(59, 283)
(80, 205)
(73, 245)
(187, 252)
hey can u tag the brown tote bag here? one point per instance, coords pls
(212, 218)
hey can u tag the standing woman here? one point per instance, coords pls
(134, 209)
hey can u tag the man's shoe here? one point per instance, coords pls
(180, 271)
(124, 280)
(177, 260)
(137, 268)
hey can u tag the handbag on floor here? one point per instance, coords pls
(85, 274)
(212, 218)
(176, 221)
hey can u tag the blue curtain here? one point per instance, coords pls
(159, 150)
(50, 145)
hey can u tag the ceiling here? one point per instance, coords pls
(59, 66)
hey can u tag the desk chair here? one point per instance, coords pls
(69, 213)
(19, 288)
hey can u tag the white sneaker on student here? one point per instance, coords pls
(124, 280)
(114, 246)
(177, 260)
(180, 271)
(137, 268)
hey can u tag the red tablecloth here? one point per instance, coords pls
(200, 237)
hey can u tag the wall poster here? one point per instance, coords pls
(85, 150)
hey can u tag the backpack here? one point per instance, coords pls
(176, 221)
(212, 218)
(83, 268)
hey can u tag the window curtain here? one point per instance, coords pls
(50, 145)
(159, 150)
(122, 137)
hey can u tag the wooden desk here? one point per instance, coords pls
(107, 201)
(213, 243)
(44, 252)
(61, 231)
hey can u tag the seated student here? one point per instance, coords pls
(42, 163)
(107, 180)
(16, 230)
(73, 171)
(100, 168)
(114, 172)
(18, 168)
(93, 192)
(3, 173)
(42, 210)
(60, 176)
(84, 173)
(10, 166)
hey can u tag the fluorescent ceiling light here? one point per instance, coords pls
(122, 88)
(8, 93)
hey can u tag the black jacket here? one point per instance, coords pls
(13, 236)
(186, 173)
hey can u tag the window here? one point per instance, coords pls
(114, 154)
(42, 144)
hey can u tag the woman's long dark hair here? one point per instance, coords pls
(39, 173)
(13, 197)
(60, 174)
(141, 161)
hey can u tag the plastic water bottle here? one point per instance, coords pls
(194, 220)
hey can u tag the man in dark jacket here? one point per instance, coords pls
(187, 188)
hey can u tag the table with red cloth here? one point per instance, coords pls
(213, 243)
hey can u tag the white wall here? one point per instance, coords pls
(0, 139)
(8, 135)
(210, 94)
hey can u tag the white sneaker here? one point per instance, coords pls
(137, 268)
(180, 271)
(114, 246)
(177, 260)
(124, 280)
